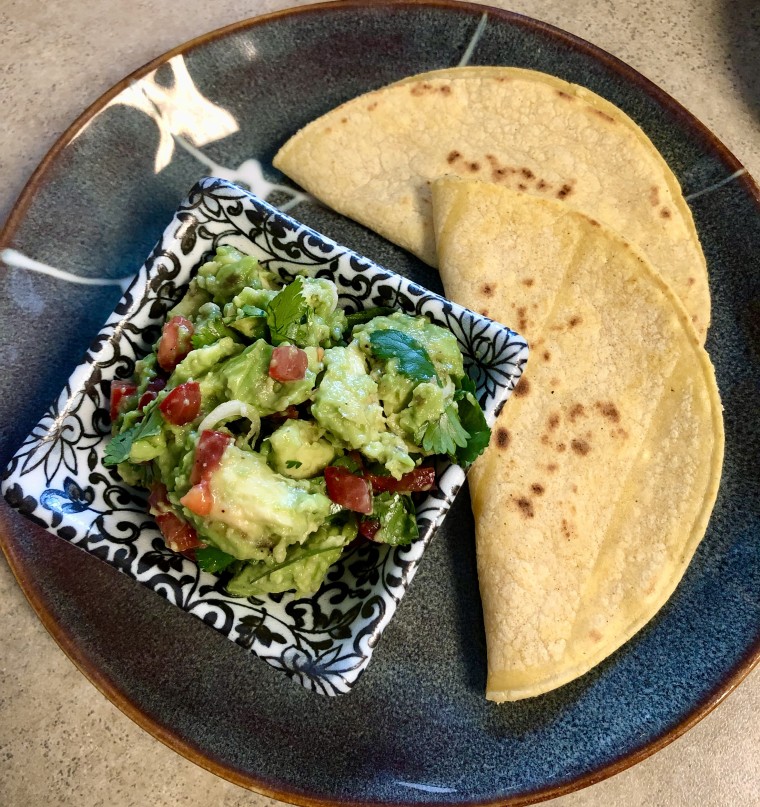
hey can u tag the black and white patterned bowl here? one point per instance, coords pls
(58, 480)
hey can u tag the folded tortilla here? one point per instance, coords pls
(373, 159)
(604, 466)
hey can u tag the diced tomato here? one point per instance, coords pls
(288, 363)
(119, 391)
(178, 534)
(199, 499)
(368, 528)
(289, 413)
(348, 490)
(182, 404)
(208, 454)
(417, 480)
(158, 501)
(151, 393)
(175, 342)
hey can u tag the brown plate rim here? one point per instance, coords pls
(67, 642)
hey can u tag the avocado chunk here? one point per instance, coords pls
(262, 507)
(299, 449)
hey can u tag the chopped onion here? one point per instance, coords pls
(232, 410)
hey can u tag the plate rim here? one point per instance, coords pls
(67, 642)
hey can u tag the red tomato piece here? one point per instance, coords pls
(158, 501)
(199, 499)
(119, 391)
(368, 528)
(348, 490)
(289, 413)
(178, 534)
(175, 342)
(288, 363)
(417, 480)
(182, 404)
(208, 454)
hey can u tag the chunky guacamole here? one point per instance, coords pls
(272, 429)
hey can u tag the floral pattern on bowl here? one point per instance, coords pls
(57, 477)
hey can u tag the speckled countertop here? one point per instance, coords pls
(61, 741)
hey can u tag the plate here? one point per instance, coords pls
(57, 478)
(415, 729)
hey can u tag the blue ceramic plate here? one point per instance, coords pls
(416, 728)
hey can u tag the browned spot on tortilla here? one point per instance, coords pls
(603, 115)
(421, 89)
(453, 157)
(576, 411)
(545, 439)
(484, 312)
(594, 223)
(574, 488)
(521, 186)
(487, 289)
(691, 281)
(609, 410)
(522, 320)
(344, 120)
(527, 173)
(553, 421)
(566, 531)
(573, 321)
(594, 635)
(546, 355)
(528, 282)
(665, 213)
(561, 447)
(328, 129)
(580, 447)
(565, 95)
(372, 106)
(654, 196)
(445, 90)
(502, 438)
(473, 166)
(564, 191)
(541, 184)
(621, 433)
(537, 489)
(522, 388)
(551, 467)
(526, 507)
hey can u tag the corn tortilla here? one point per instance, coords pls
(373, 159)
(603, 469)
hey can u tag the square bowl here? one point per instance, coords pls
(57, 477)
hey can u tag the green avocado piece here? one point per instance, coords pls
(303, 569)
(248, 380)
(299, 449)
(263, 508)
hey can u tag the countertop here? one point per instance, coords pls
(61, 741)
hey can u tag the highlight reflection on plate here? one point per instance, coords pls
(416, 729)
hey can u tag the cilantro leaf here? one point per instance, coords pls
(447, 434)
(119, 446)
(474, 421)
(413, 359)
(365, 315)
(211, 559)
(293, 464)
(398, 521)
(285, 311)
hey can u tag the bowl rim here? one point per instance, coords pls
(68, 643)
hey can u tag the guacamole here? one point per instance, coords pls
(273, 430)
